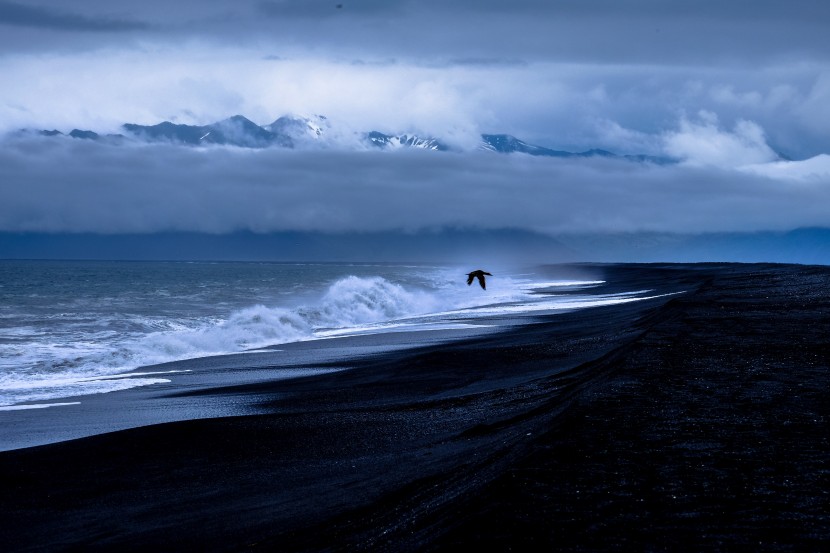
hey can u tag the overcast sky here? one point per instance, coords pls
(725, 86)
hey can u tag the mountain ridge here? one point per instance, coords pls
(291, 131)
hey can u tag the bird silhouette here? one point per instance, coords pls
(479, 274)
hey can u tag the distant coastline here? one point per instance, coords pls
(801, 246)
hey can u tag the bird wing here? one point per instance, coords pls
(481, 281)
(470, 278)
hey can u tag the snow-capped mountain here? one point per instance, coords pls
(404, 141)
(286, 132)
(234, 131)
(504, 143)
(301, 132)
(300, 129)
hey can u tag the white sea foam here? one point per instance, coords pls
(563, 284)
(556, 304)
(353, 301)
(67, 386)
(422, 323)
(36, 406)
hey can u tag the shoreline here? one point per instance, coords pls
(694, 420)
(75, 417)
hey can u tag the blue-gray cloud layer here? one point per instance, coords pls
(587, 31)
(724, 86)
(61, 19)
(88, 187)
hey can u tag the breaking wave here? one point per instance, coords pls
(78, 352)
(62, 369)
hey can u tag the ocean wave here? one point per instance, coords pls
(46, 370)
(87, 357)
(353, 301)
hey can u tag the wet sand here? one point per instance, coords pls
(689, 422)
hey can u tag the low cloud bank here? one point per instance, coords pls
(74, 186)
(703, 142)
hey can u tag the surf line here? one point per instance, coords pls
(36, 406)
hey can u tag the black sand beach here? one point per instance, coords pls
(695, 421)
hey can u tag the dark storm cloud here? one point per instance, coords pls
(726, 87)
(602, 31)
(316, 9)
(88, 187)
(12, 13)
(586, 31)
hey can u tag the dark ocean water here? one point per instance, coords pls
(71, 328)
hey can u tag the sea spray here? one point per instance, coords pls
(252, 327)
(352, 301)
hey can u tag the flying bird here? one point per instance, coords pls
(479, 274)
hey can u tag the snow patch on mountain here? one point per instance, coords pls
(395, 142)
(300, 129)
